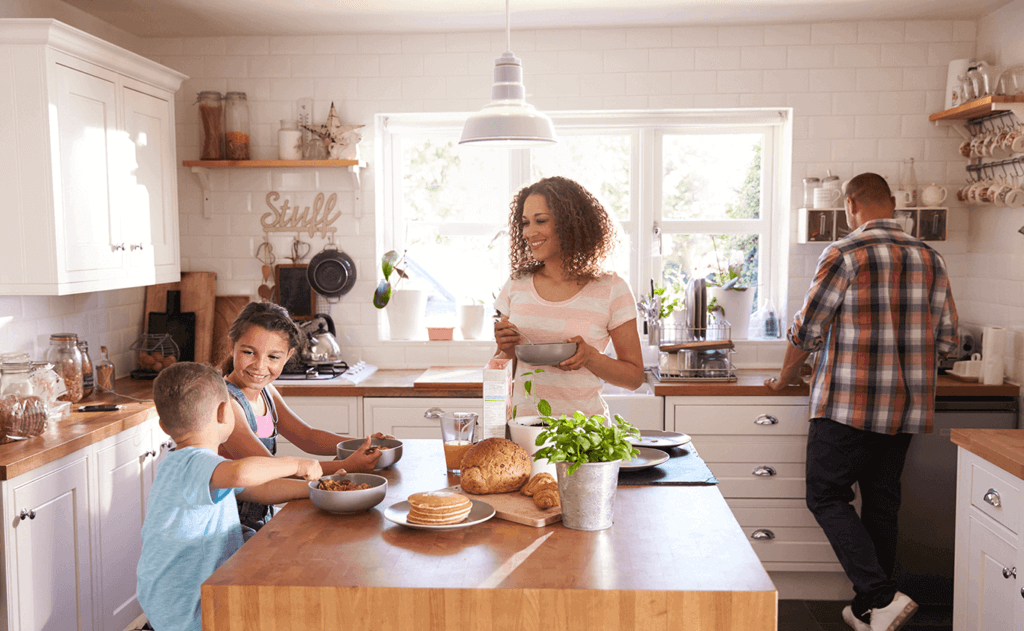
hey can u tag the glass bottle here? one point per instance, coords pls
(810, 183)
(908, 182)
(14, 375)
(87, 376)
(236, 126)
(289, 140)
(105, 374)
(67, 362)
(211, 117)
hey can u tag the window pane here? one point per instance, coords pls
(598, 162)
(711, 176)
(442, 181)
(456, 269)
(687, 256)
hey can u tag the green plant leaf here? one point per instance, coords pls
(382, 294)
(387, 263)
(544, 407)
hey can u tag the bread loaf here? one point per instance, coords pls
(494, 465)
(21, 416)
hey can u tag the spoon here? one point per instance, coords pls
(498, 318)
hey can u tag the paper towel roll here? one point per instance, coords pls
(993, 342)
(992, 371)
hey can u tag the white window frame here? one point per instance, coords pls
(647, 129)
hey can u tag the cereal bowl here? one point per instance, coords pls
(391, 454)
(355, 501)
(545, 354)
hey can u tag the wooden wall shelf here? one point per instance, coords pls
(980, 107)
(271, 164)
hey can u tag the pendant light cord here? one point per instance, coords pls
(508, 27)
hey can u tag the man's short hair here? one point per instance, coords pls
(186, 394)
(869, 188)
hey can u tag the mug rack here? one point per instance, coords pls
(978, 172)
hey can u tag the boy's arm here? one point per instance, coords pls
(255, 470)
(276, 491)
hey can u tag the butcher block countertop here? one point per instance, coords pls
(1002, 447)
(674, 557)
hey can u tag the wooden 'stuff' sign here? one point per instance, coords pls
(314, 219)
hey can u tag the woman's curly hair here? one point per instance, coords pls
(584, 229)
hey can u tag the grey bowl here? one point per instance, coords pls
(388, 457)
(343, 502)
(545, 354)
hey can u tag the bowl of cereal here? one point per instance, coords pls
(348, 493)
(391, 450)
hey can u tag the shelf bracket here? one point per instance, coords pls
(956, 125)
(357, 196)
(204, 183)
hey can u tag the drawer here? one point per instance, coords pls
(756, 420)
(780, 479)
(1002, 491)
(783, 532)
(752, 449)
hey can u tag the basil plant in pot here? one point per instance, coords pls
(406, 307)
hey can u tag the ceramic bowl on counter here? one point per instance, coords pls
(388, 457)
(545, 354)
(344, 502)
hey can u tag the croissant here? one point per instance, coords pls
(541, 478)
(546, 495)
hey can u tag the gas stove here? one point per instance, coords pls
(320, 372)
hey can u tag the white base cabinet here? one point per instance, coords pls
(989, 565)
(341, 415)
(72, 535)
(87, 163)
(403, 417)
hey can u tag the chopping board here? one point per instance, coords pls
(225, 310)
(516, 508)
(180, 325)
(198, 291)
(450, 378)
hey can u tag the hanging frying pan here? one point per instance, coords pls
(331, 273)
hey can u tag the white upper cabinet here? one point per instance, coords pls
(87, 163)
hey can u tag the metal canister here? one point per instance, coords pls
(588, 495)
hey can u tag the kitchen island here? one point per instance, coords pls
(675, 558)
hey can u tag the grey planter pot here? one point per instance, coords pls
(588, 495)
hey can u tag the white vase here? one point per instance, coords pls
(405, 313)
(737, 305)
(471, 321)
(526, 437)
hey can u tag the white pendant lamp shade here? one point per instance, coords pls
(508, 120)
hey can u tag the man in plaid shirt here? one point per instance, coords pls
(879, 314)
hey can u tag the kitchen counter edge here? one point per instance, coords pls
(1002, 447)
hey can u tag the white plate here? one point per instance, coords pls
(647, 458)
(399, 513)
(659, 439)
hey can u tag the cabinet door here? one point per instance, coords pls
(124, 465)
(86, 140)
(403, 418)
(991, 597)
(148, 198)
(51, 548)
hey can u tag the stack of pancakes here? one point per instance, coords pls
(438, 508)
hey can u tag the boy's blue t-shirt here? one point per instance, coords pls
(186, 536)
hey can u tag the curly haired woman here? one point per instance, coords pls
(559, 238)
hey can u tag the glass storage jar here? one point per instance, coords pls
(105, 373)
(87, 376)
(67, 362)
(236, 126)
(289, 140)
(211, 118)
(15, 373)
(810, 183)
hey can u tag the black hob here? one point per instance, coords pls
(320, 372)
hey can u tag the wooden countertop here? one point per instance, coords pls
(674, 553)
(1002, 447)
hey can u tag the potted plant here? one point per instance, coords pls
(524, 429)
(471, 318)
(406, 306)
(727, 296)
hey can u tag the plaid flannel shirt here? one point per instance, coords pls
(879, 313)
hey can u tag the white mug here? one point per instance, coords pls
(903, 197)
(826, 197)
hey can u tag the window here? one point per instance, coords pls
(694, 192)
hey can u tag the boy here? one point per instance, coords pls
(192, 525)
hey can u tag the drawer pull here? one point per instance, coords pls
(1008, 573)
(27, 512)
(168, 445)
(764, 471)
(992, 497)
(766, 419)
(434, 413)
(762, 534)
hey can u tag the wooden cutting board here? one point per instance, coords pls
(225, 310)
(450, 377)
(198, 292)
(517, 508)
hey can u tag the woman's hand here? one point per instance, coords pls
(360, 461)
(382, 435)
(506, 336)
(584, 354)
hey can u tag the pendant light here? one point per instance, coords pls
(508, 120)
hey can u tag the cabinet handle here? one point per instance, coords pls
(992, 497)
(116, 247)
(766, 419)
(168, 445)
(135, 246)
(1008, 573)
(434, 413)
(27, 512)
(147, 454)
(764, 471)
(762, 534)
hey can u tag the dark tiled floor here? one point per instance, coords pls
(827, 615)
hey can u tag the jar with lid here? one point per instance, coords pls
(211, 117)
(289, 140)
(15, 372)
(87, 376)
(810, 183)
(236, 126)
(67, 362)
(831, 182)
(105, 373)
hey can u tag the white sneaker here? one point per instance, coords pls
(892, 617)
(852, 620)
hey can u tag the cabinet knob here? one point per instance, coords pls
(764, 471)
(1009, 573)
(27, 512)
(762, 534)
(766, 419)
(434, 413)
(992, 497)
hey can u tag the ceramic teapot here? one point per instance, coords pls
(933, 195)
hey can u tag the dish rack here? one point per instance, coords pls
(695, 354)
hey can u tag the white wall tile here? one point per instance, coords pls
(558, 39)
(404, 65)
(657, 60)
(379, 43)
(695, 82)
(417, 43)
(857, 55)
(940, 54)
(727, 58)
(853, 150)
(270, 66)
(762, 57)
(604, 84)
(879, 79)
(357, 65)
(831, 126)
(739, 81)
(833, 80)
(204, 46)
(603, 39)
(904, 55)
(445, 64)
(788, 81)
(877, 126)
(467, 42)
(648, 38)
(334, 45)
(834, 33)
(929, 31)
(810, 56)
(881, 32)
(855, 103)
(295, 45)
(741, 36)
(965, 31)
(787, 34)
(692, 36)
